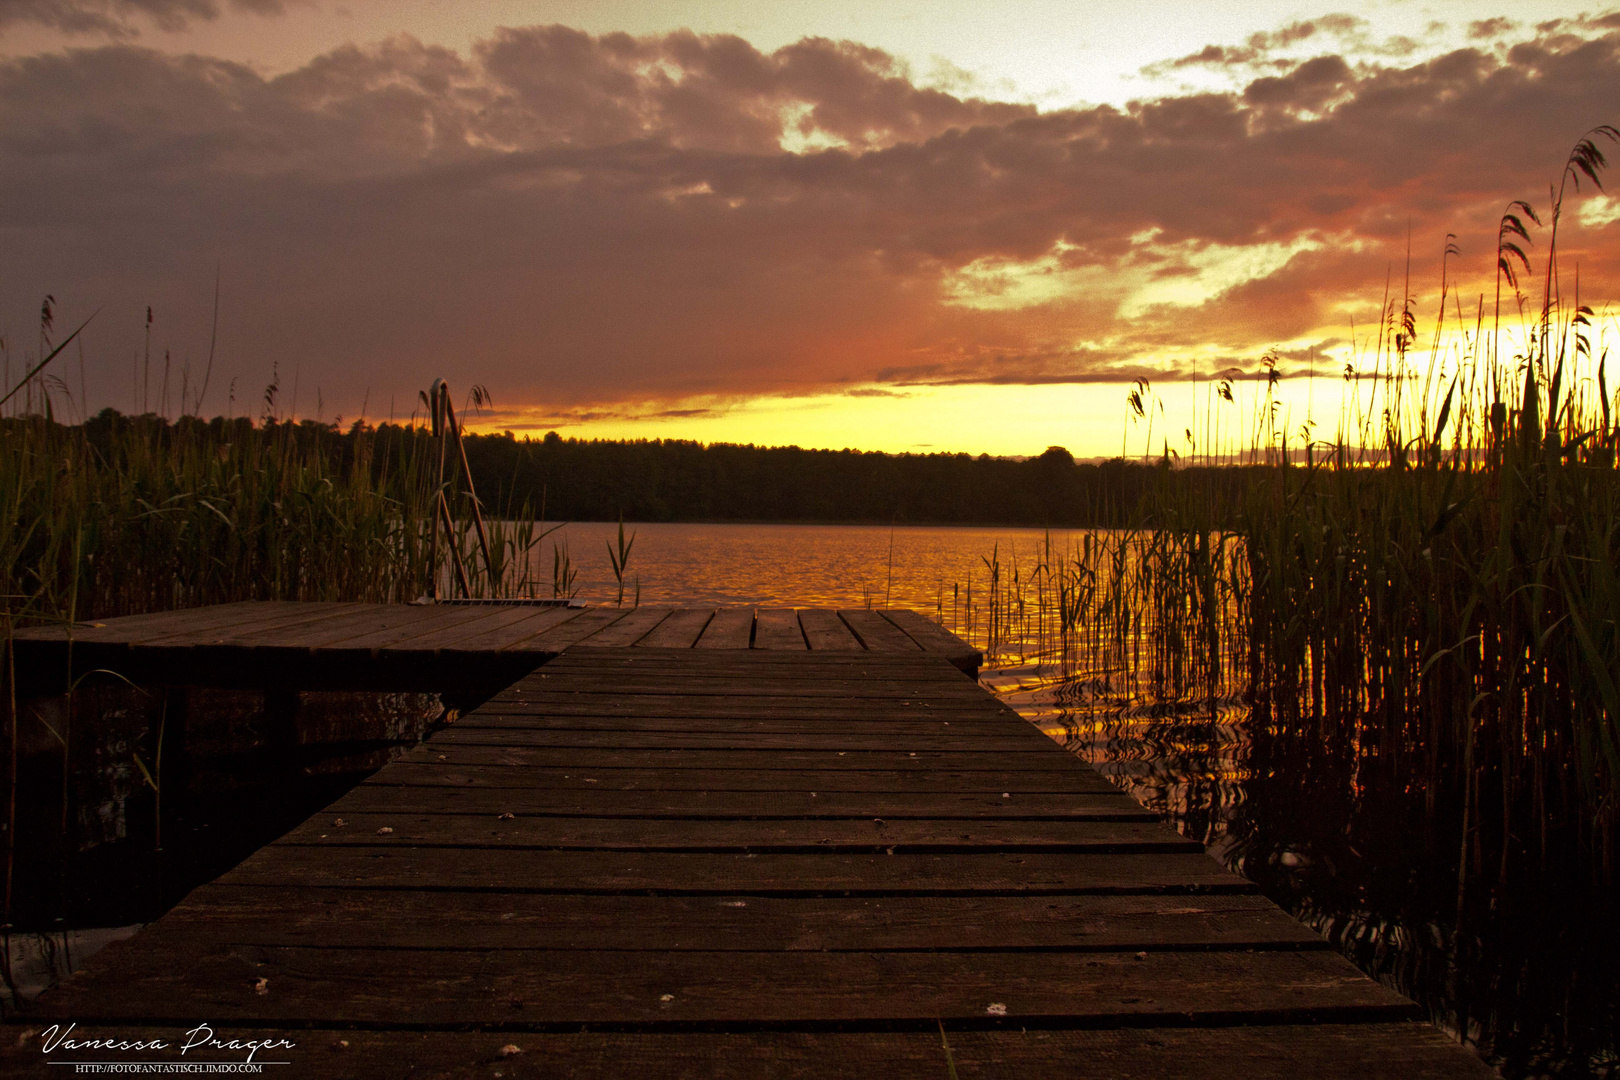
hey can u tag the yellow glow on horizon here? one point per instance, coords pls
(1092, 420)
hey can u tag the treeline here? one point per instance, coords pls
(680, 480)
(677, 480)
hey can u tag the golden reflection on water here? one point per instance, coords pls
(829, 566)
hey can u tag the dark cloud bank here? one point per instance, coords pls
(595, 219)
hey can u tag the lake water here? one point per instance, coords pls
(837, 566)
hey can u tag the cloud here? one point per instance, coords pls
(587, 221)
(1257, 50)
(118, 18)
(1483, 29)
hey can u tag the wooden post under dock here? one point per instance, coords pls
(698, 843)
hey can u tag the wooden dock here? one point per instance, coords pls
(654, 860)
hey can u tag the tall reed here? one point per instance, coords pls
(1433, 591)
(133, 514)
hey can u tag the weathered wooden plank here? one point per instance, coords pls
(940, 678)
(285, 618)
(777, 630)
(719, 709)
(932, 637)
(499, 621)
(186, 627)
(680, 631)
(297, 916)
(833, 683)
(939, 675)
(915, 668)
(1409, 1050)
(763, 700)
(431, 770)
(1013, 740)
(893, 722)
(517, 634)
(668, 685)
(769, 662)
(901, 667)
(124, 628)
(491, 618)
(701, 873)
(875, 706)
(626, 631)
(877, 633)
(592, 800)
(339, 627)
(1043, 759)
(878, 711)
(908, 836)
(416, 621)
(575, 630)
(731, 628)
(194, 626)
(448, 987)
(825, 631)
(762, 660)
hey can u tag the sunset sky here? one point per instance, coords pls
(949, 226)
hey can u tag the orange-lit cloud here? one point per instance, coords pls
(671, 227)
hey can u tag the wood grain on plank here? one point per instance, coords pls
(497, 620)
(297, 916)
(680, 631)
(927, 633)
(1043, 759)
(574, 630)
(699, 684)
(786, 665)
(765, 701)
(429, 770)
(705, 873)
(636, 623)
(591, 800)
(777, 630)
(514, 634)
(198, 626)
(423, 620)
(825, 631)
(731, 628)
(877, 633)
(735, 739)
(827, 723)
(909, 835)
(118, 627)
(341, 626)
